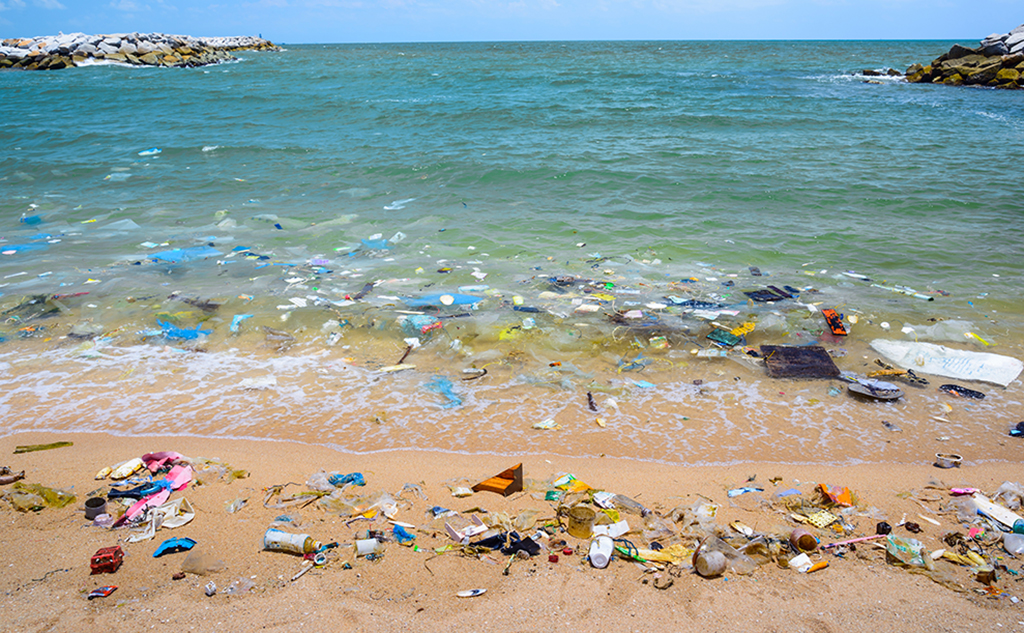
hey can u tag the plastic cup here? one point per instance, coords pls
(803, 541)
(581, 521)
(367, 546)
(95, 506)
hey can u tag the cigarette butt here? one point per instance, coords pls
(821, 564)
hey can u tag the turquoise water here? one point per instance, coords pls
(635, 164)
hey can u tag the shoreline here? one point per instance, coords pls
(859, 591)
(59, 435)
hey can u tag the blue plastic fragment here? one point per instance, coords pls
(237, 320)
(402, 535)
(643, 384)
(173, 545)
(31, 220)
(338, 480)
(376, 245)
(735, 492)
(182, 255)
(435, 300)
(789, 492)
(176, 333)
(443, 386)
(22, 248)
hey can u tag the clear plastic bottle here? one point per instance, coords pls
(625, 504)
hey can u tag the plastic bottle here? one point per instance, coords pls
(281, 541)
(624, 503)
(601, 551)
(1014, 543)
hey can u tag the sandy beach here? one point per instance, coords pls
(47, 553)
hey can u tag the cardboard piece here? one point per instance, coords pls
(504, 483)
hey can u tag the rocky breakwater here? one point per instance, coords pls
(137, 49)
(998, 62)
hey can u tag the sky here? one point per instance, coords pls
(359, 21)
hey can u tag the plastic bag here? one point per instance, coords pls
(1010, 494)
(35, 497)
(906, 552)
(657, 529)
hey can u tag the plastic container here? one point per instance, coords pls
(280, 541)
(948, 460)
(601, 551)
(581, 521)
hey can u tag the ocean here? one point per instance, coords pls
(240, 250)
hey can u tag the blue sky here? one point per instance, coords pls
(308, 21)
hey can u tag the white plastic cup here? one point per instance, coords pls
(367, 546)
(601, 551)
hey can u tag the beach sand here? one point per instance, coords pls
(46, 554)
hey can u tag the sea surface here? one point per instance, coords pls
(250, 249)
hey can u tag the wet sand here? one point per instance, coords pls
(46, 555)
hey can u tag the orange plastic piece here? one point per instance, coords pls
(835, 322)
(839, 495)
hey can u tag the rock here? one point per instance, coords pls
(922, 74)
(992, 39)
(870, 73)
(957, 51)
(892, 72)
(1017, 48)
(995, 48)
(984, 74)
(1007, 74)
(1014, 39)
(953, 80)
(66, 50)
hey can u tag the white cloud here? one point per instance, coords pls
(49, 4)
(12, 4)
(124, 5)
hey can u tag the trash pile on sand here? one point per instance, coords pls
(962, 538)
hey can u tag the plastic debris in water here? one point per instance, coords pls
(176, 333)
(237, 321)
(443, 386)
